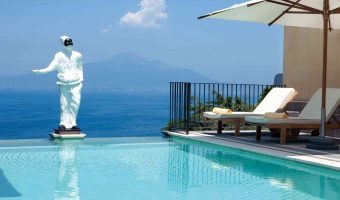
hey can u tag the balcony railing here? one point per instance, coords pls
(188, 102)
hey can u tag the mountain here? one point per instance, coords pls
(122, 72)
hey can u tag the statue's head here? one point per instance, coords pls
(66, 42)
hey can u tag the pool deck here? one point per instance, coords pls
(294, 150)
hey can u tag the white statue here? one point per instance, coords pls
(70, 79)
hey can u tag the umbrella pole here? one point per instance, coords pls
(324, 67)
(322, 143)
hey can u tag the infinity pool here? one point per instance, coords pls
(153, 168)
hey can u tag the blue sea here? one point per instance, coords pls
(34, 114)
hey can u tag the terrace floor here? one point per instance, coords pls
(294, 150)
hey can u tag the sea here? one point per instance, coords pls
(31, 114)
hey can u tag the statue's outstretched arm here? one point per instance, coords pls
(51, 67)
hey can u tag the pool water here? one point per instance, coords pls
(153, 168)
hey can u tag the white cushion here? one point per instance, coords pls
(233, 115)
(276, 99)
(291, 120)
(313, 108)
(311, 113)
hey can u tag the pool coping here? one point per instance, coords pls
(47, 142)
(273, 151)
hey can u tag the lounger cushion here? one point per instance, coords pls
(313, 108)
(276, 99)
(233, 115)
(291, 120)
(311, 113)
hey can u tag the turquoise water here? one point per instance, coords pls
(153, 168)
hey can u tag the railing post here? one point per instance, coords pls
(176, 106)
(170, 113)
(187, 106)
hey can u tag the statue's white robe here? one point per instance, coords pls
(70, 79)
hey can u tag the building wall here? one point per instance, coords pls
(303, 60)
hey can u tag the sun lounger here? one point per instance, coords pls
(309, 118)
(275, 100)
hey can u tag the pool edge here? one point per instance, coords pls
(290, 155)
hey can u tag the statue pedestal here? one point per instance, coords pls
(67, 131)
(67, 134)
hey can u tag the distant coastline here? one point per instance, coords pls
(120, 73)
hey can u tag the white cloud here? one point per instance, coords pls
(106, 29)
(149, 15)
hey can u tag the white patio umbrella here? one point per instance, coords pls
(321, 14)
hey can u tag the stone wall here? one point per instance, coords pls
(302, 67)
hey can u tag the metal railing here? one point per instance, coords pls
(188, 102)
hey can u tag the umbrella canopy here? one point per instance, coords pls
(303, 13)
(321, 14)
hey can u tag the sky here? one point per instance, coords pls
(161, 30)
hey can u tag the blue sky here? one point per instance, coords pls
(225, 51)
